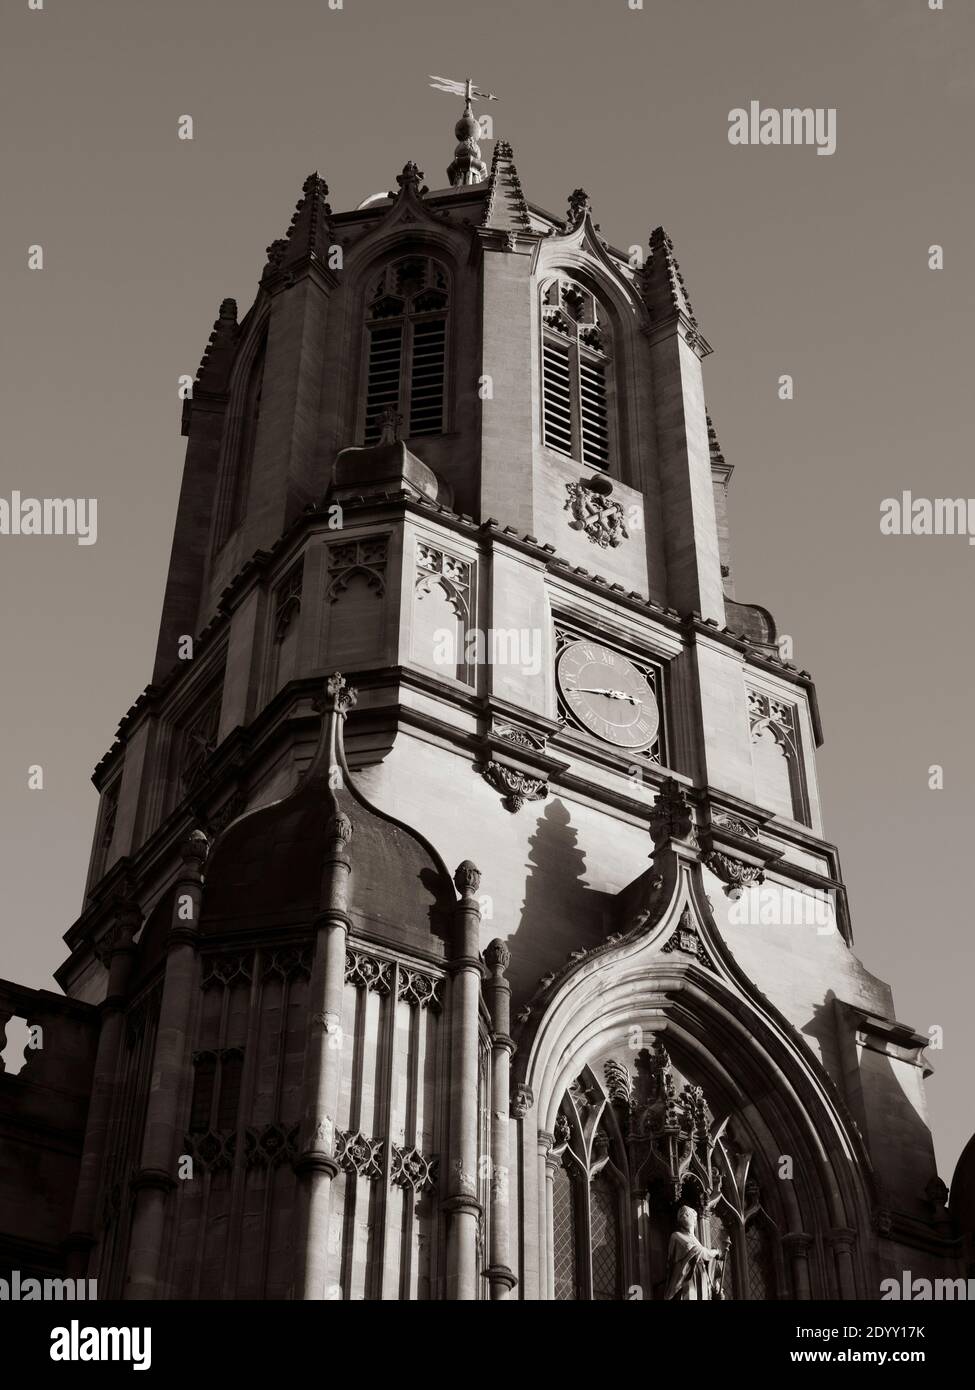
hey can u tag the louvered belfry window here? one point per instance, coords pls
(576, 374)
(406, 319)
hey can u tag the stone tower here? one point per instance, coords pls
(458, 450)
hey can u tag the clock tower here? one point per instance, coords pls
(461, 974)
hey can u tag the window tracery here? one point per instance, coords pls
(577, 387)
(628, 1152)
(406, 324)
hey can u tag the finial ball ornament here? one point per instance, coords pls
(467, 879)
(467, 127)
(497, 956)
(194, 849)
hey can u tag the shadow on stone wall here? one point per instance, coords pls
(560, 912)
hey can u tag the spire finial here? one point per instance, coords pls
(467, 166)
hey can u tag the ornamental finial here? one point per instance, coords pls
(579, 205)
(337, 697)
(467, 166)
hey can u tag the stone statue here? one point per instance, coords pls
(389, 422)
(693, 1271)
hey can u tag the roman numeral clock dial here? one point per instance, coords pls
(608, 694)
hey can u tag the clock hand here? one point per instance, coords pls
(611, 694)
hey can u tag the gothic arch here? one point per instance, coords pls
(239, 436)
(752, 1072)
(582, 259)
(407, 227)
(578, 373)
(406, 349)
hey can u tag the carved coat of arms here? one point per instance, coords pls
(602, 519)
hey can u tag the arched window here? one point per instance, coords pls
(761, 1261)
(630, 1151)
(604, 1235)
(242, 440)
(577, 384)
(565, 1207)
(776, 756)
(406, 323)
(587, 1196)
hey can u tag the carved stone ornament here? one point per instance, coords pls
(362, 559)
(524, 738)
(669, 1132)
(467, 879)
(339, 695)
(365, 972)
(194, 850)
(522, 1100)
(358, 1154)
(270, 1145)
(288, 963)
(515, 787)
(225, 970)
(725, 820)
(411, 179)
(212, 1151)
(497, 957)
(579, 205)
(389, 425)
(735, 875)
(340, 827)
(593, 512)
(410, 1169)
(685, 938)
(418, 989)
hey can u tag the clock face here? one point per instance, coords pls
(608, 695)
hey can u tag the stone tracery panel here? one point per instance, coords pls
(443, 598)
(384, 1229)
(776, 755)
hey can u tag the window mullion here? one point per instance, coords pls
(576, 361)
(585, 1240)
(405, 406)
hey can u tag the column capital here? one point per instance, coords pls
(315, 1162)
(152, 1179)
(461, 1202)
(841, 1238)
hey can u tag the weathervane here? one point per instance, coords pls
(467, 165)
